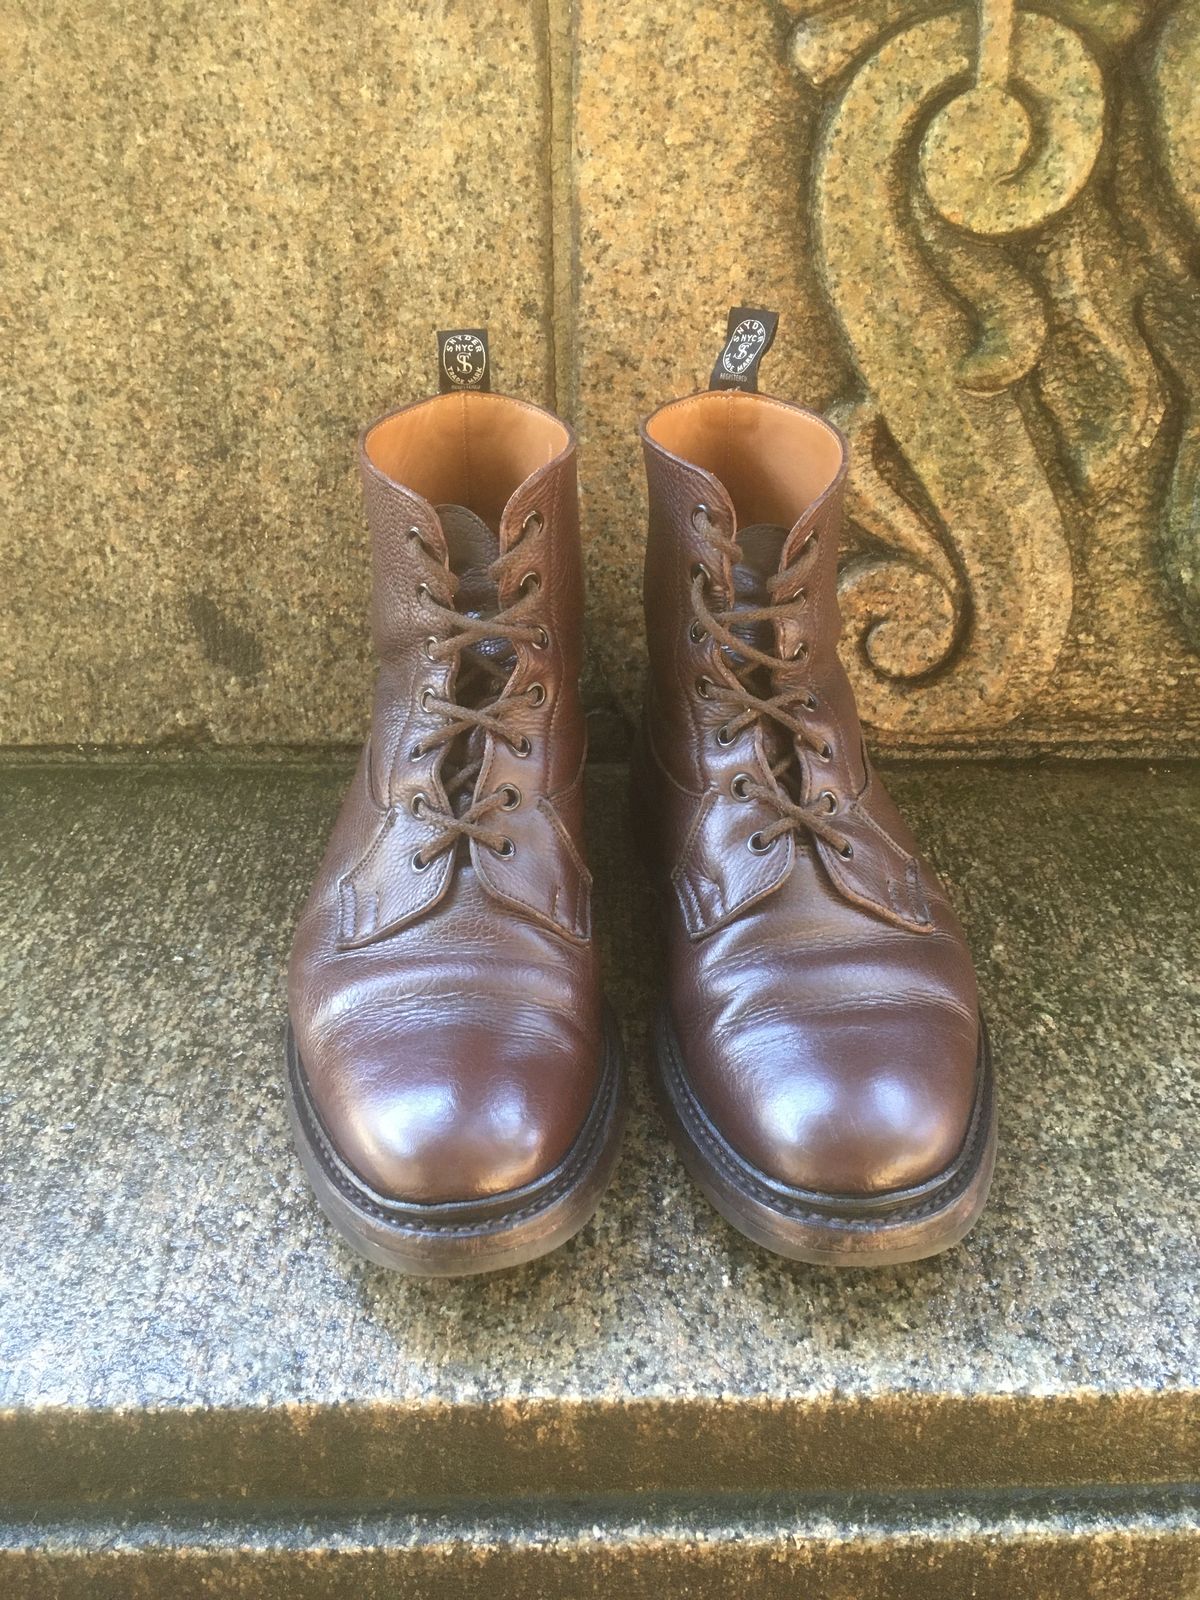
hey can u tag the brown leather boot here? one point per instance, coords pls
(821, 1049)
(454, 1079)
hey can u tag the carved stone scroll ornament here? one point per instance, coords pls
(1172, 311)
(954, 136)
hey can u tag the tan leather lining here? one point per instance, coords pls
(773, 459)
(468, 449)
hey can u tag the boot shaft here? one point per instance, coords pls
(743, 489)
(474, 702)
(742, 619)
(509, 468)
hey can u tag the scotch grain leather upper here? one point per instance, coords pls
(444, 991)
(822, 1021)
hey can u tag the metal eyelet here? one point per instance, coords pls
(541, 639)
(697, 634)
(418, 803)
(800, 651)
(428, 646)
(419, 863)
(414, 532)
(739, 785)
(704, 687)
(800, 594)
(417, 752)
(426, 697)
(699, 570)
(534, 523)
(825, 753)
(531, 583)
(506, 850)
(846, 851)
(809, 702)
(510, 796)
(424, 592)
(700, 514)
(724, 737)
(757, 845)
(828, 801)
(520, 746)
(536, 694)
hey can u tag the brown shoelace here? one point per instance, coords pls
(476, 670)
(784, 708)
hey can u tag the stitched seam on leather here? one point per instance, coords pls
(579, 929)
(581, 924)
(566, 1181)
(369, 776)
(652, 749)
(571, 788)
(348, 882)
(911, 918)
(384, 828)
(356, 936)
(967, 1161)
(681, 875)
(868, 821)
(693, 913)
(727, 408)
(912, 888)
(689, 838)
(869, 902)
(349, 907)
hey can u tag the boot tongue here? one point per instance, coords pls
(472, 547)
(762, 550)
(761, 547)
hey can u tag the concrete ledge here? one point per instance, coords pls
(378, 1454)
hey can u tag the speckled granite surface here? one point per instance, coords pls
(162, 1250)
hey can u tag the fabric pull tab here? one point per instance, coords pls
(748, 337)
(463, 361)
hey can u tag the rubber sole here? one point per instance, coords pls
(458, 1238)
(825, 1229)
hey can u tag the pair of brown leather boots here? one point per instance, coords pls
(454, 1073)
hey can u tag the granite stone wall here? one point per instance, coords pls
(230, 231)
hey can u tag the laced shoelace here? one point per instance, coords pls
(474, 668)
(783, 708)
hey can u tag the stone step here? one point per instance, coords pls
(862, 1546)
(197, 1378)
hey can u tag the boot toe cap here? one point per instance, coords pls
(849, 1111)
(444, 1115)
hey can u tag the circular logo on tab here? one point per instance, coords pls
(464, 360)
(743, 347)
